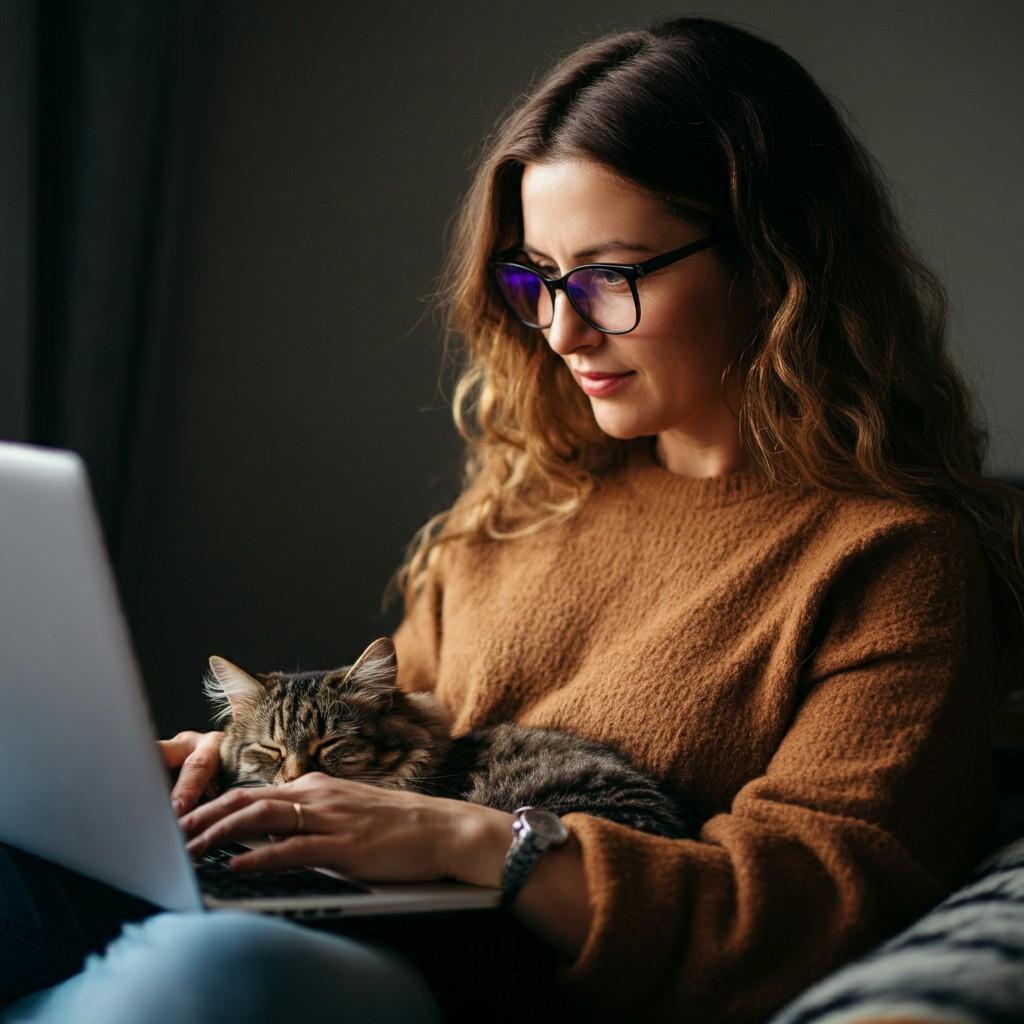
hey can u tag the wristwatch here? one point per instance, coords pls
(533, 831)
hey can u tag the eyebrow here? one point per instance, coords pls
(612, 245)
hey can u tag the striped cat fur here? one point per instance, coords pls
(354, 722)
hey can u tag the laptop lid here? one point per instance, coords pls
(84, 784)
(81, 772)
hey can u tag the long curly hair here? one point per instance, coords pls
(846, 384)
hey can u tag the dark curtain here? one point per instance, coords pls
(15, 199)
(110, 98)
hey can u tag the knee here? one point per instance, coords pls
(196, 967)
(195, 944)
(205, 950)
(229, 965)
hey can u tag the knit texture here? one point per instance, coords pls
(812, 671)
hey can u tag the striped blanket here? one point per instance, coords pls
(961, 963)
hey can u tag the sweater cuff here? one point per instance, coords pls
(613, 873)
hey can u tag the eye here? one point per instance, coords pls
(333, 748)
(275, 752)
(611, 280)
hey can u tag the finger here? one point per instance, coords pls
(176, 749)
(257, 819)
(203, 817)
(312, 782)
(233, 802)
(290, 852)
(197, 772)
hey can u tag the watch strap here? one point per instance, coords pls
(524, 852)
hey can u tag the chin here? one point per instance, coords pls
(624, 428)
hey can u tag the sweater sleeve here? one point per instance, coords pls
(418, 639)
(418, 636)
(874, 804)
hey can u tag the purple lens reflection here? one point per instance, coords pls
(525, 293)
(600, 295)
(604, 297)
(577, 290)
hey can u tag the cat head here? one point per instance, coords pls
(352, 722)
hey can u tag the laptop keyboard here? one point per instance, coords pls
(217, 879)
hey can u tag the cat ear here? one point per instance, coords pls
(375, 670)
(230, 688)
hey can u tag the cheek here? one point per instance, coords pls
(704, 299)
(688, 340)
(669, 361)
(677, 318)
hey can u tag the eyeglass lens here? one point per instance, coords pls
(601, 296)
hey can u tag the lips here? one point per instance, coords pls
(598, 384)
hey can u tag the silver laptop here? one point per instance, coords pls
(84, 784)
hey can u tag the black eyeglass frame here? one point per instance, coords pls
(632, 272)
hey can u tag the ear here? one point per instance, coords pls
(231, 689)
(375, 671)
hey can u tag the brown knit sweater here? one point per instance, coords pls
(812, 670)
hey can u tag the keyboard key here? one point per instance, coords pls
(217, 879)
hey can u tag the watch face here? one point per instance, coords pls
(546, 824)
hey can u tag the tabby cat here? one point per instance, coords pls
(355, 723)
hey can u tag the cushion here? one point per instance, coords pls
(961, 963)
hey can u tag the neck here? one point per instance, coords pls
(687, 458)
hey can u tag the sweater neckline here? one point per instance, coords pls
(694, 492)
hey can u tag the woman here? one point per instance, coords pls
(723, 509)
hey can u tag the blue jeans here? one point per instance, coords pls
(72, 949)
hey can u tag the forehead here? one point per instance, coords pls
(567, 204)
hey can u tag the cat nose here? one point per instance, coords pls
(291, 770)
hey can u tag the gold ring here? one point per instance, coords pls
(298, 817)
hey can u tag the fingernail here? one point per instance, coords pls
(178, 807)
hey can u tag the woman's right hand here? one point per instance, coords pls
(197, 756)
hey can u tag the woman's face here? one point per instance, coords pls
(695, 315)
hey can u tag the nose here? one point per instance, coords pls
(291, 769)
(569, 331)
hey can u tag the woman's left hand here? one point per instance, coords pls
(357, 829)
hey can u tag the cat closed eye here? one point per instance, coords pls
(337, 752)
(327, 747)
(350, 759)
(274, 752)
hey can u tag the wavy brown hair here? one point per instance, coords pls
(846, 384)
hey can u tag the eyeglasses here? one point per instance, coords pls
(604, 294)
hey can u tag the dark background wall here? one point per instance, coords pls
(298, 434)
(15, 253)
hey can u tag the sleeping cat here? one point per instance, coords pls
(355, 723)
